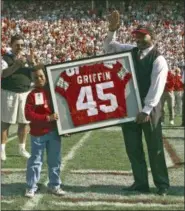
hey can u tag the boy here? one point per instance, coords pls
(38, 111)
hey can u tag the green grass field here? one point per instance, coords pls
(94, 168)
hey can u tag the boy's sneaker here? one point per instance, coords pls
(24, 153)
(3, 155)
(171, 122)
(30, 193)
(57, 191)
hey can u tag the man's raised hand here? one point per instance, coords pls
(114, 21)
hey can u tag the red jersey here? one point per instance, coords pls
(37, 109)
(178, 85)
(169, 82)
(94, 92)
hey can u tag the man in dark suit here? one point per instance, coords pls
(151, 73)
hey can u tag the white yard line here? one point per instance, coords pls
(91, 171)
(116, 204)
(35, 201)
(11, 138)
(7, 201)
(114, 128)
(16, 170)
(12, 170)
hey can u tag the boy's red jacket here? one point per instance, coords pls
(37, 113)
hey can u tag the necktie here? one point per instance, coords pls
(139, 54)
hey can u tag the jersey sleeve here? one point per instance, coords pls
(123, 74)
(62, 84)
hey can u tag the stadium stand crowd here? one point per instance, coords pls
(68, 30)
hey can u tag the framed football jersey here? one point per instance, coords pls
(91, 93)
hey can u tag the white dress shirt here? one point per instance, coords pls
(159, 70)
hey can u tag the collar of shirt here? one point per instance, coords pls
(145, 52)
(10, 53)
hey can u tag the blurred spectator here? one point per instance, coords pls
(178, 90)
(168, 97)
(183, 97)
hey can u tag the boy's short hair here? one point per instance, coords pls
(38, 67)
(16, 37)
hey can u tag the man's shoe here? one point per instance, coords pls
(30, 193)
(57, 191)
(140, 188)
(24, 153)
(3, 155)
(67, 135)
(162, 191)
